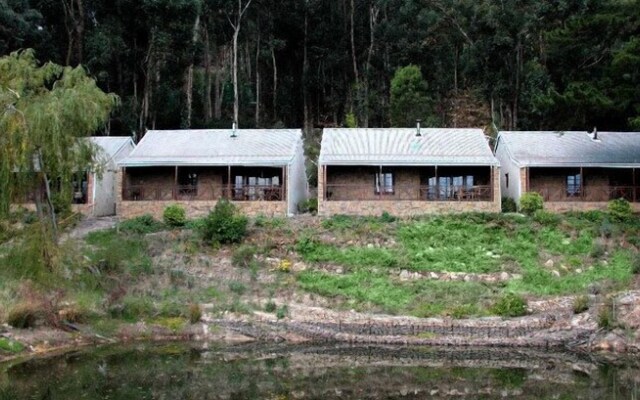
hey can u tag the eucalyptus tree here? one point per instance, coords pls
(44, 112)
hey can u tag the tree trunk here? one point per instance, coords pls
(373, 17)
(208, 107)
(305, 71)
(236, 31)
(353, 46)
(188, 89)
(257, 116)
(275, 84)
(74, 24)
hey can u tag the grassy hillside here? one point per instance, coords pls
(142, 270)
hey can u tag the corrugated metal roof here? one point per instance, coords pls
(401, 146)
(111, 145)
(215, 147)
(570, 148)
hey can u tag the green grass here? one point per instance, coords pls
(469, 243)
(10, 346)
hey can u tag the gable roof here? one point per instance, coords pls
(401, 146)
(260, 147)
(111, 145)
(571, 148)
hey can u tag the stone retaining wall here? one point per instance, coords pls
(194, 209)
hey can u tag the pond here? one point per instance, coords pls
(279, 372)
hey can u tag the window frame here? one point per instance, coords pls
(384, 188)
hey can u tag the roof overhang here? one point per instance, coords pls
(578, 165)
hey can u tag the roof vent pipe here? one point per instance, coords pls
(233, 132)
(418, 134)
(595, 133)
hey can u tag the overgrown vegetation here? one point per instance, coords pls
(619, 210)
(174, 215)
(225, 224)
(531, 202)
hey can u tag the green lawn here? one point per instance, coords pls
(584, 249)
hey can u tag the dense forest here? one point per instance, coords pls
(519, 64)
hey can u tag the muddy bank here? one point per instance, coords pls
(556, 329)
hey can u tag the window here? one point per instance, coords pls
(256, 188)
(573, 185)
(187, 182)
(80, 188)
(384, 183)
(449, 187)
(506, 178)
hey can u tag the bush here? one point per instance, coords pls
(619, 210)
(530, 202)
(224, 224)
(282, 312)
(510, 305)
(308, 206)
(580, 304)
(24, 315)
(387, 218)
(546, 218)
(174, 215)
(243, 256)
(509, 205)
(270, 306)
(142, 225)
(195, 313)
(606, 320)
(635, 264)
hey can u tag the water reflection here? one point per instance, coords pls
(178, 371)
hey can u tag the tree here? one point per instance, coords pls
(409, 100)
(44, 112)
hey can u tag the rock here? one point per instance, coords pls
(339, 271)
(549, 263)
(489, 254)
(504, 276)
(370, 246)
(405, 275)
(433, 275)
(578, 271)
(566, 242)
(555, 273)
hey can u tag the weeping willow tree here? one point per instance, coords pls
(45, 111)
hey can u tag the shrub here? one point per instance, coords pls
(509, 205)
(224, 224)
(142, 225)
(270, 306)
(387, 218)
(308, 206)
(546, 218)
(580, 304)
(24, 315)
(605, 316)
(10, 346)
(237, 287)
(530, 202)
(282, 312)
(195, 313)
(619, 210)
(174, 215)
(635, 264)
(243, 256)
(598, 249)
(510, 305)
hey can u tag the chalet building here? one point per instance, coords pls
(262, 171)
(406, 171)
(571, 170)
(94, 195)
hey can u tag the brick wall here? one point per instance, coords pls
(400, 208)
(197, 208)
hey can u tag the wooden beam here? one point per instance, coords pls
(284, 184)
(581, 182)
(175, 184)
(635, 187)
(325, 180)
(229, 195)
(437, 184)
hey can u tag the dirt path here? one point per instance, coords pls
(89, 225)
